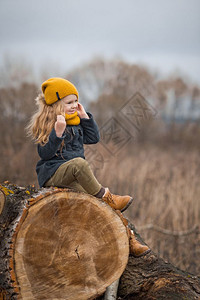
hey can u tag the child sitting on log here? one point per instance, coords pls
(60, 128)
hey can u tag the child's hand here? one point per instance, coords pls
(81, 111)
(60, 125)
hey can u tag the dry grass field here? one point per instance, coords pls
(165, 184)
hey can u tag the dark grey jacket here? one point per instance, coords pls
(74, 137)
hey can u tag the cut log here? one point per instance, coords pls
(37, 260)
(58, 244)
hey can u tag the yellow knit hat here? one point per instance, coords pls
(55, 89)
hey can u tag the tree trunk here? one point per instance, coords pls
(151, 278)
(60, 244)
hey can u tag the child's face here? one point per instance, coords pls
(70, 104)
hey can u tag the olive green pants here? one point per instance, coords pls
(77, 174)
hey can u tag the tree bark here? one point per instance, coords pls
(63, 239)
(152, 278)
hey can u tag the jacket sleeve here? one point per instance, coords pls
(90, 130)
(49, 149)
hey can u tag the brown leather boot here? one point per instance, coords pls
(117, 202)
(136, 249)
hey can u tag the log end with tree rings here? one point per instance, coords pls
(66, 245)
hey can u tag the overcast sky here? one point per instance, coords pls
(164, 35)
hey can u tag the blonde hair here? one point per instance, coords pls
(42, 122)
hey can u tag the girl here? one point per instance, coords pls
(60, 128)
